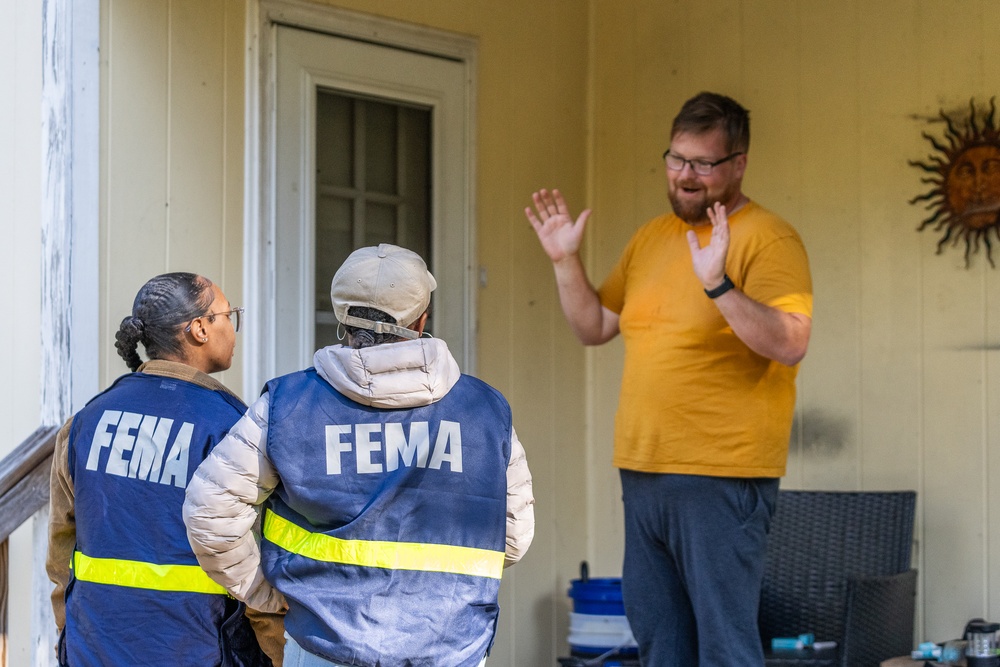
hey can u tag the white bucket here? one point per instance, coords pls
(592, 633)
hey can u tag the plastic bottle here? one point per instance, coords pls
(927, 651)
(792, 643)
(953, 652)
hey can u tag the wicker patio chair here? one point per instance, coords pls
(838, 566)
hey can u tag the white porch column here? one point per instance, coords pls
(69, 278)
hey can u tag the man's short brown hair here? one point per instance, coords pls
(708, 111)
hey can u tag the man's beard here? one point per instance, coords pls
(695, 211)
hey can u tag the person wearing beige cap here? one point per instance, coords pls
(395, 489)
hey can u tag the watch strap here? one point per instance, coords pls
(726, 285)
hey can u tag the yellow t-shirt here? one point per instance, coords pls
(694, 398)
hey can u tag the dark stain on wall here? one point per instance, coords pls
(822, 433)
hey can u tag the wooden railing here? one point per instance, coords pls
(24, 489)
(24, 479)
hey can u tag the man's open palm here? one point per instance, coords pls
(559, 234)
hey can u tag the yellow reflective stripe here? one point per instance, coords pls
(389, 555)
(137, 574)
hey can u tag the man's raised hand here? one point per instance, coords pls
(710, 262)
(559, 234)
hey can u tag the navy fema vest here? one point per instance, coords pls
(132, 451)
(386, 533)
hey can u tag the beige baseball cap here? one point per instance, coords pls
(388, 278)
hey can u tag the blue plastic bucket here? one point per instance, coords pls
(597, 596)
(598, 622)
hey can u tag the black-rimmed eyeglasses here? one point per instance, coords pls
(235, 316)
(701, 167)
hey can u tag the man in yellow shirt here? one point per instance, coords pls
(714, 302)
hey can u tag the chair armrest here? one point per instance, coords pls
(879, 623)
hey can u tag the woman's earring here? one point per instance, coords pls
(426, 334)
(204, 339)
(341, 331)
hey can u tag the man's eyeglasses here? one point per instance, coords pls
(701, 167)
(235, 316)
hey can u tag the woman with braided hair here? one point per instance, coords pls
(129, 590)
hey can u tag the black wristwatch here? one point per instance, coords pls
(726, 285)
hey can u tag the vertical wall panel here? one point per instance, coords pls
(173, 151)
(772, 68)
(988, 85)
(613, 78)
(955, 479)
(137, 98)
(20, 218)
(497, 210)
(196, 137)
(714, 53)
(829, 64)
(991, 459)
(891, 294)
(233, 174)
(198, 218)
(890, 301)
(21, 150)
(543, 363)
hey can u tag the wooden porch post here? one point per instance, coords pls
(70, 252)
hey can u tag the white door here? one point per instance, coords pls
(371, 145)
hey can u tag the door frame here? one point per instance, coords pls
(260, 182)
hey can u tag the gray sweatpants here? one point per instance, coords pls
(694, 561)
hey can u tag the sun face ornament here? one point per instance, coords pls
(965, 175)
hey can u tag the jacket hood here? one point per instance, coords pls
(406, 374)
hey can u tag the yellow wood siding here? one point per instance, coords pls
(172, 157)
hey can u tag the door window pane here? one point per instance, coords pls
(372, 186)
(334, 128)
(381, 146)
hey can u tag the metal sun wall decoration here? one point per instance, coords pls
(965, 199)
